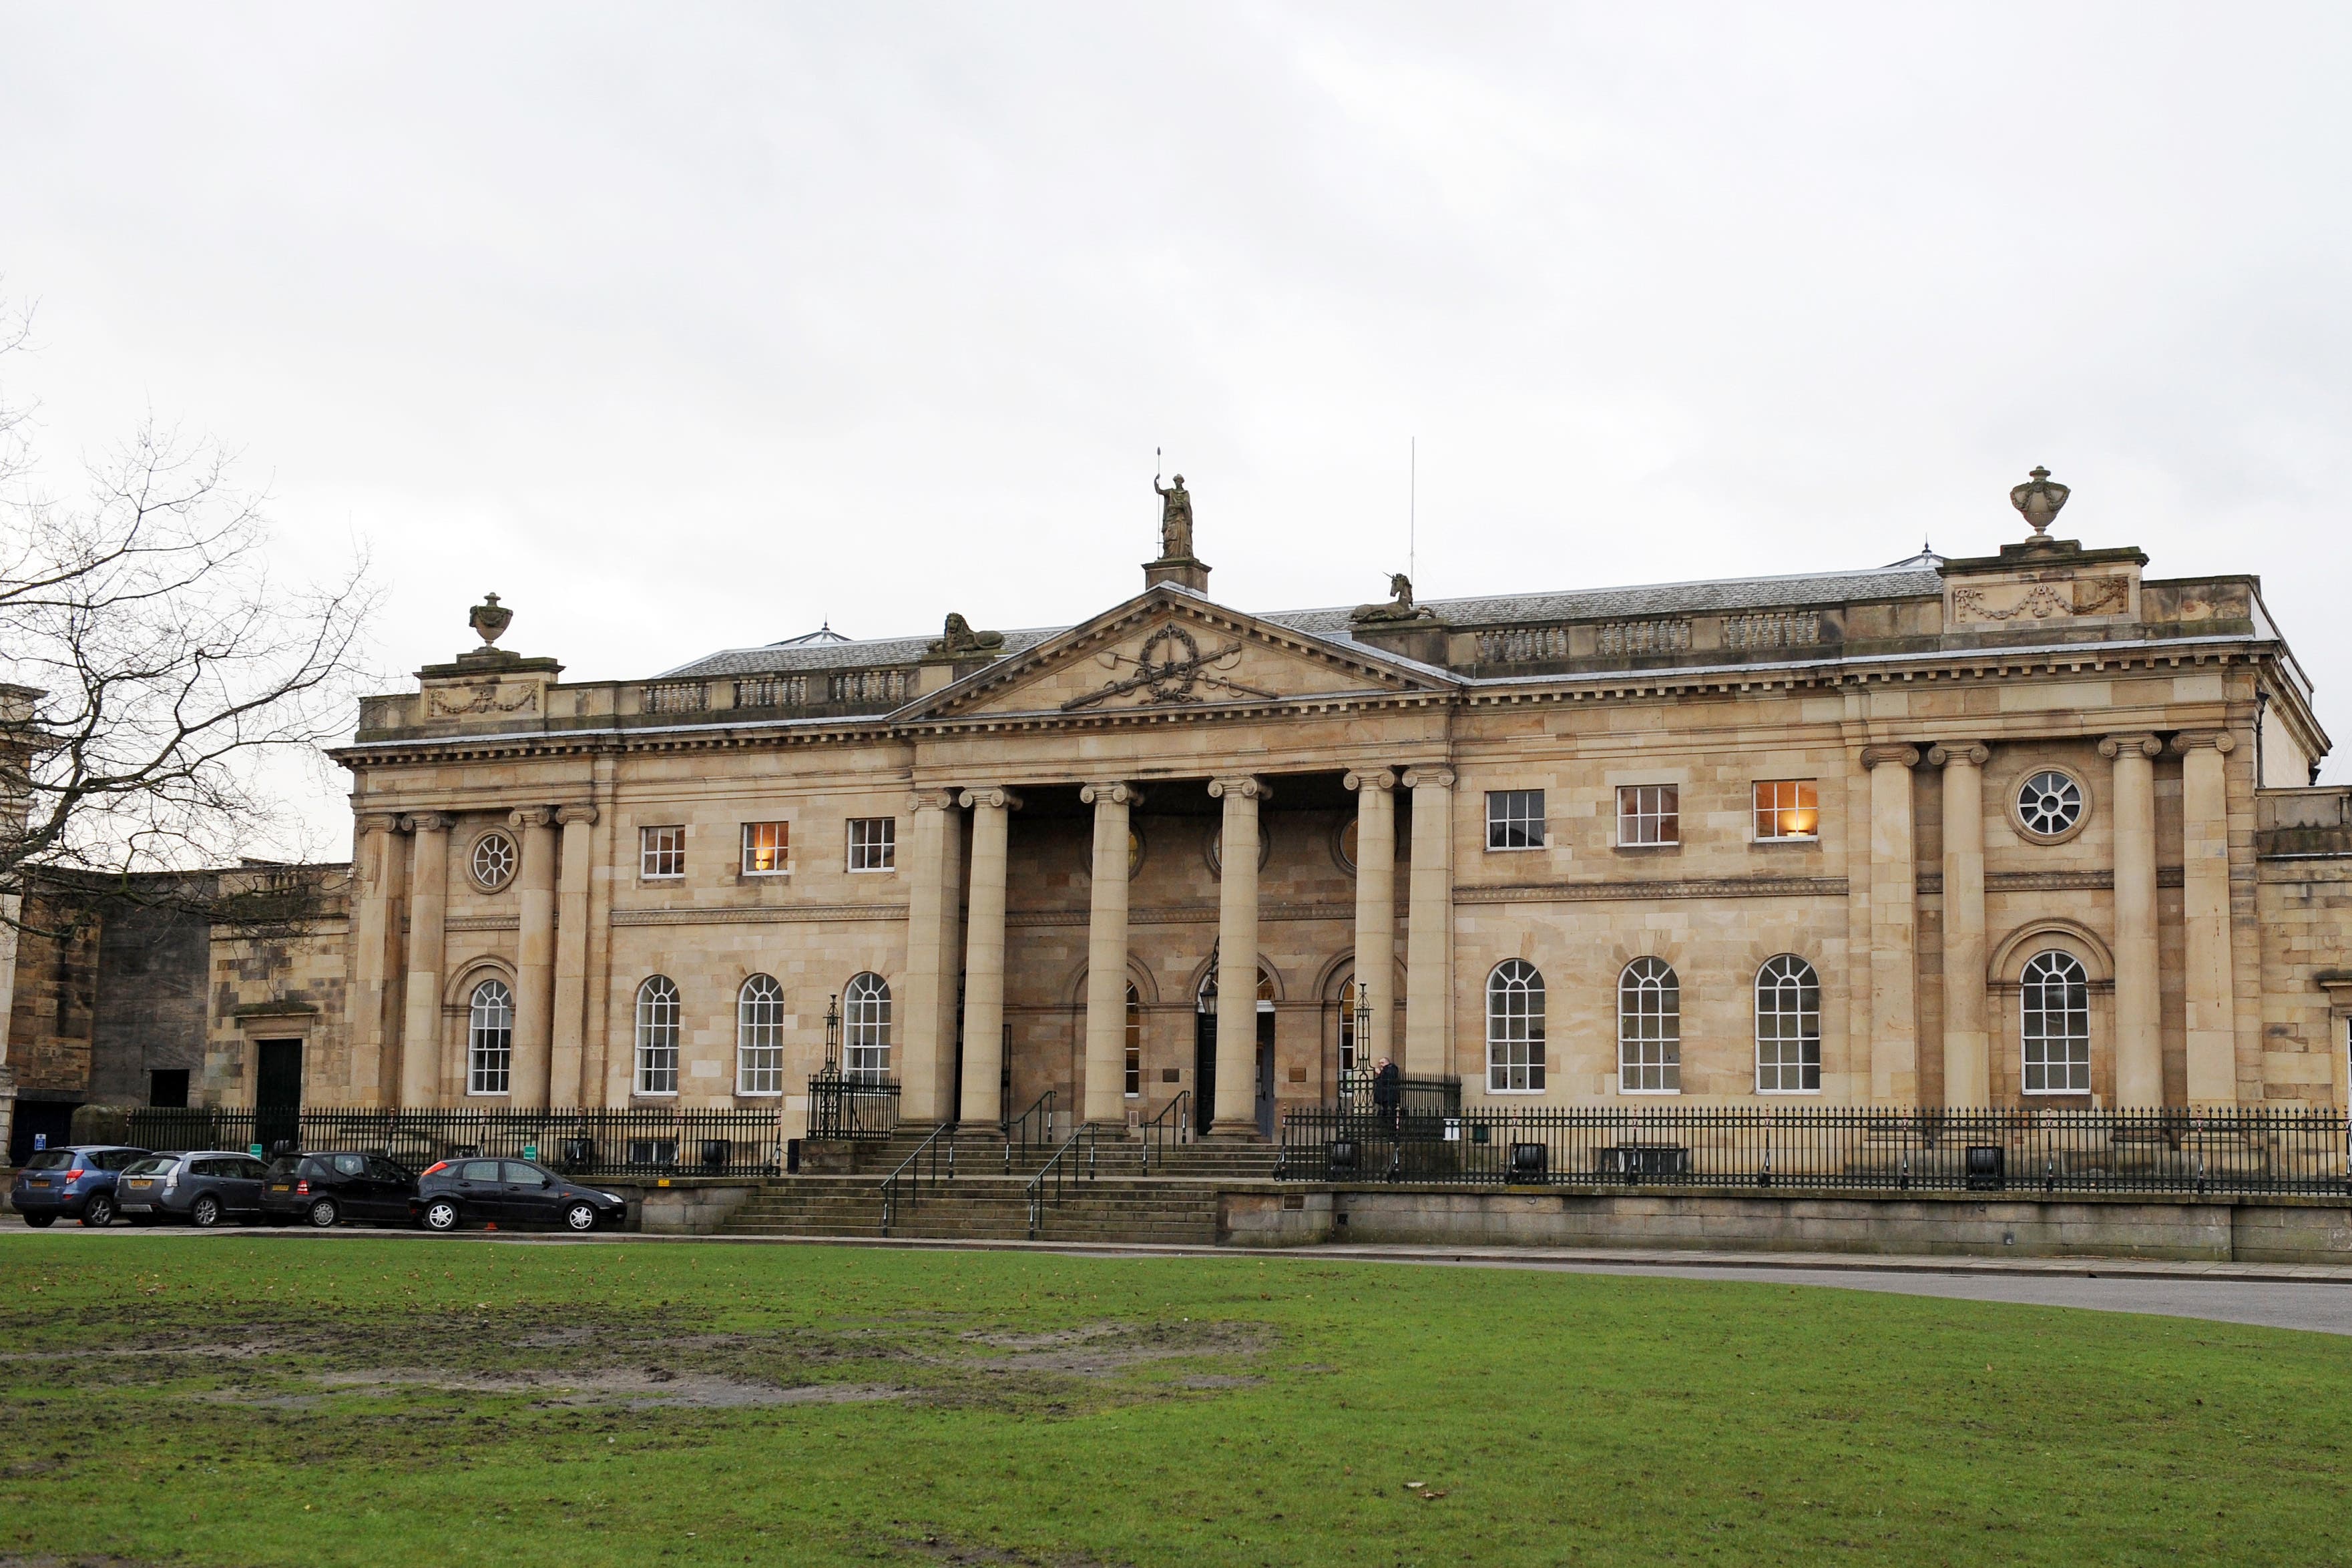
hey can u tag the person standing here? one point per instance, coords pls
(1388, 1092)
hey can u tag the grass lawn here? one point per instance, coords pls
(291, 1400)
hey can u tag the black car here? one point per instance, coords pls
(323, 1188)
(203, 1188)
(76, 1182)
(510, 1193)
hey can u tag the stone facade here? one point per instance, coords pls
(1059, 805)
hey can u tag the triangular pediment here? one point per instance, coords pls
(1171, 652)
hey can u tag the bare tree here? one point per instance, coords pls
(153, 665)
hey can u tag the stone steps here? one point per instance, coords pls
(990, 1207)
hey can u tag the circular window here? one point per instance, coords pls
(2050, 805)
(1216, 847)
(494, 860)
(1346, 843)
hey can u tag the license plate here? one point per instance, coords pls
(40, 1181)
(281, 1188)
(142, 1185)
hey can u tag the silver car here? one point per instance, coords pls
(203, 1188)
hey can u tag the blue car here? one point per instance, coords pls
(76, 1183)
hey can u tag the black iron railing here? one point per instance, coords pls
(1033, 1129)
(848, 1106)
(1415, 1096)
(1074, 1161)
(2173, 1153)
(655, 1142)
(932, 1164)
(1171, 1126)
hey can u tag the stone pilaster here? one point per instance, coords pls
(983, 957)
(1235, 1112)
(1375, 794)
(927, 1041)
(2139, 1044)
(534, 959)
(1894, 928)
(428, 912)
(1429, 932)
(2211, 986)
(375, 950)
(568, 1022)
(1104, 1092)
(1967, 1051)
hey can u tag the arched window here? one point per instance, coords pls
(1649, 1029)
(1515, 1029)
(1134, 1042)
(490, 1038)
(760, 1037)
(657, 1036)
(1348, 1026)
(1206, 1001)
(1788, 1027)
(865, 1027)
(2056, 1032)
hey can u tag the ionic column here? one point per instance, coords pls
(1106, 1085)
(983, 957)
(2211, 987)
(428, 909)
(1376, 907)
(1235, 1112)
(1967, 1049)
(375, 932)
(926, 1053)
(1429, 933)
(1894, 928)
(2139, 1043)
(534, 958)
(565, 1087)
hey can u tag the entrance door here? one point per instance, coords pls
(1205, 1071)
(1265, 1074)
(277, 1092)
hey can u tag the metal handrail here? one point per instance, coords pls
(1173, 1124)
(1061, 1174)
(911, 1169)
(1016, 1128)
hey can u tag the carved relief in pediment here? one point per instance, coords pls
(1170, 668)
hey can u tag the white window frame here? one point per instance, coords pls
(1507, 815)
(1808, 797)
(489, 1065)
(660, 846)
(1134, 1042)
(881, 852)
(1776, 979)
(658, 1037)
(1515, 1027)
(506, 860)
(1643, 977)
(2032, 987)
(759, 1038)
(783, 850)
(1643, 812)
(865, 1027)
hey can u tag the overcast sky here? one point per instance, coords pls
(691, 327)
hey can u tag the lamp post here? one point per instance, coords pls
(833, 1035)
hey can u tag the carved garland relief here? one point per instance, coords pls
(1170, 668)
(2081, 596)
(478, 696)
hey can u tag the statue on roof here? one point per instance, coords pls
(957, 639)
(1175, 518)
(1400, 606)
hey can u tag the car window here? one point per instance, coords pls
(317, 1170)
(525, 1175)
(155, 1165)
(478, 1170)
(249, 1167)
(279, 1169)
(117, 1159)
(385, 1170)
(204, 1167)
(50, 1160)
(351, 1165)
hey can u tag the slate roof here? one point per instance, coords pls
(1903, 581)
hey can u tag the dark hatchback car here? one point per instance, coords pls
(73, 1183)
(324, 1187)
(201, 1188)
(511, 1193)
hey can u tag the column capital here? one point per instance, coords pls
(2220, 740)
(1898, 754)
(1112, 793)
(1965, 753)
(531, 817)
(1375, 779)
(378, 822)
(996, 796)
(428, 821)
(1429, 776)
(1248, 786)
(933, 799)
(567, 815)
(2114, 745)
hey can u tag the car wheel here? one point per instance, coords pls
(581, 1216)
(440, 1215)
(40, 1221)
(99, 1212)
(322, 1214)
(207, 1212)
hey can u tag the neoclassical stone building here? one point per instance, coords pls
(1994, 831)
